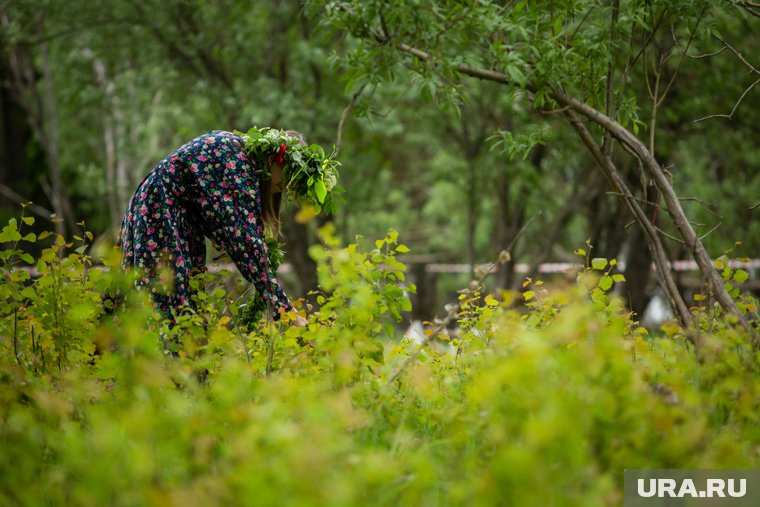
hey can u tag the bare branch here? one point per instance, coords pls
(669, 236)
(632, 61)
(738, 54)
(343, 115)
(707, 206)
(709, 232)
(639, 199)
(683, 55)
(733, 110)
(8, 193)
(707, 55)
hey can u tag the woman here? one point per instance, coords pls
(210, 187)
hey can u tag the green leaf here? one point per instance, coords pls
(402, 249)
(320, 190)
(605, 283)
(741, 276)
(618, 278)
(28, 220)
(27, 258)
(516, 74)
(599, 263)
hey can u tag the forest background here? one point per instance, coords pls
(96, 92)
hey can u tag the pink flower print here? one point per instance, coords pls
(229, 165)
(180, 262)
(170, 201)
(203, 158)
(251, 217)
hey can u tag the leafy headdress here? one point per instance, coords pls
(311, 176)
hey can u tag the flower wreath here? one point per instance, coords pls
(311, 175)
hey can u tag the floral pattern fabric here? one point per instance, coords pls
(207, 188)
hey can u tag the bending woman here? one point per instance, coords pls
(221, 185)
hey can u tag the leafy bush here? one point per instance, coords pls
(541, 402)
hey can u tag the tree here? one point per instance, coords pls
(570, 58)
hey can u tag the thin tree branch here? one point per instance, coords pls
(344, 114)
(8, 193)
(738, 54)
(706, 205)
(733, 110)
(683, 55)
(707, 55)
(709, 232)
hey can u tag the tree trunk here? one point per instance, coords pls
(506, 227)
(634, 145)
(49, 141)
(637, 272)
(424, 301)
(654, 242)
(297, 248)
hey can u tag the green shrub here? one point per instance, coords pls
(543, 403)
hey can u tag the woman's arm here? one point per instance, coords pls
(230, 203)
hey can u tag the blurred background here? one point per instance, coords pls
(94, 93)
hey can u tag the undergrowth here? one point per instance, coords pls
(544, 397)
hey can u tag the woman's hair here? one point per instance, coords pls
(271, 202)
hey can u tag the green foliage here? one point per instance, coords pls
(544, 404)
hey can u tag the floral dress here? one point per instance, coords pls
(207, 188)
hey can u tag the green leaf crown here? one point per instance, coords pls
(310, 175)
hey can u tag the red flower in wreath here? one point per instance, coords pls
(281, 153)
